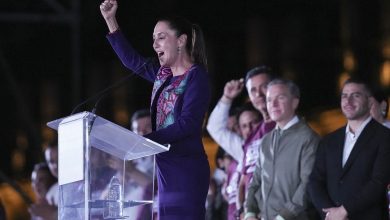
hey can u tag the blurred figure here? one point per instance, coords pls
(229, 188)
(47, 209)
(51, 156)
(41, 181)
(248, 120)
(232, 122)
(380, 108)
(141, 123)
(216, 206)
(352, 167)
(243, 148)
(219, 174)
(211, 211)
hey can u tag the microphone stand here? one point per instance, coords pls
(101, 94)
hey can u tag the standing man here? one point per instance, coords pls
(256, 81)
(244, 150)
(352, 166)
(278, 187)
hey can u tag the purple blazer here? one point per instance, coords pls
(183, 172)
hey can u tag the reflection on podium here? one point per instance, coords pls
(105, 171)
(113, 205)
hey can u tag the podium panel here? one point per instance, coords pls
(105, 170)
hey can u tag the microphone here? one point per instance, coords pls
(99, 96)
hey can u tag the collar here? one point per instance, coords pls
(359, 129)
(292, 122)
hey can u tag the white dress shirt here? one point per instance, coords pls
(350, 139)
(230, 141)
(292, 122)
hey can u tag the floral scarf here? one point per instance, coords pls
(168, 96)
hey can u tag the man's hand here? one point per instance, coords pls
(232, 89)
(336, 213)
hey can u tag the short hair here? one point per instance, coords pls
(142, 113)
(247, 107)
(360, 81)
(292, 87)
(257, 71)
(234, 111)
(380, 96)
(42, 166)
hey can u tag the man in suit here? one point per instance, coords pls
(352, 166)
(286, 157)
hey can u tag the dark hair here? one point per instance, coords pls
(360, 81)
(257, 71)
(233, 111)
(220, 153)
(142, 113)
(247, 107)
(41, 166)
(52, 145)
(195, 41)
(292, 87)
(380, 97)
(44, 167)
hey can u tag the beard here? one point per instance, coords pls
(361, 113)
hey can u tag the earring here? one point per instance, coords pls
(383, 113)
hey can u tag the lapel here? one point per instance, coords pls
(158, 85)
(361, 142)
(338, 151)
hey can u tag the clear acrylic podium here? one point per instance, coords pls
(105, 170)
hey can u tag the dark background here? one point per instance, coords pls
(53, 55)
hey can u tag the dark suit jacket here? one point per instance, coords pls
(360, 186)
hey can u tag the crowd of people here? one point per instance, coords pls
(271, 164)
(284, 170)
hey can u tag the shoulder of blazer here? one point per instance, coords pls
(375, 127)
(197, 70)
(335, 135)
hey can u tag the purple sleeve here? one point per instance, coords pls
(131, 58)
(190, 119)
(268, 127)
